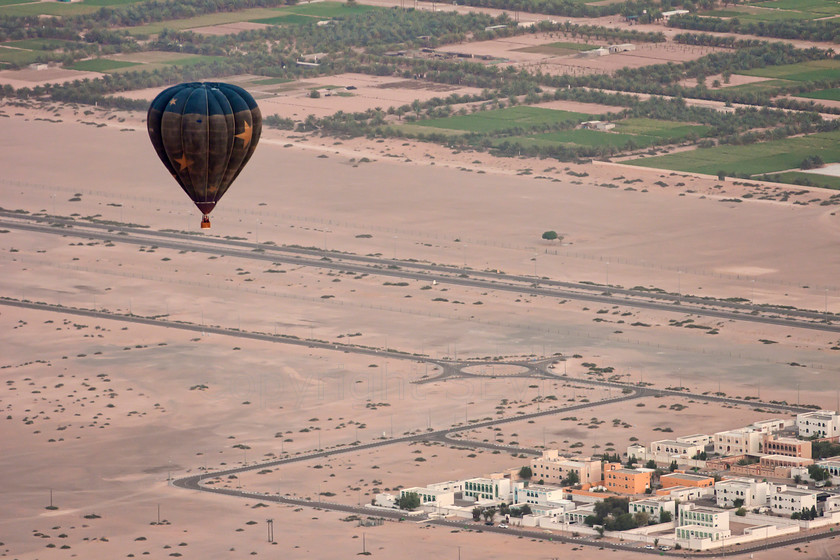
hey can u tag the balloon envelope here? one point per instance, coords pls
(204, 133)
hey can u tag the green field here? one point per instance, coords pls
(271, 81)
(809, 179)
(748, 13)
(287, 19)
(502, 119)
(558, 49)
(580, 137)
(653, 128)
(326, 10)
(828, 69)
(41, 44)
(10, 2)
(828, 94)
(18, 57)
(766, 86)
(205, 20)
(826, 7)
(751, 159)
(47, 9)
(640, 132)
(101, 65)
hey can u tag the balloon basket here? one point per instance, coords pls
(205, 223)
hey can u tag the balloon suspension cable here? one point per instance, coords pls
(205, 222)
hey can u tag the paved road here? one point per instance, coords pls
(538, 368)
(608, 295)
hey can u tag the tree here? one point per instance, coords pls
(409, 501)
(651, 464)
(664, 516)
(525, 473)
(818, 473)
(738, 502)
(741, 512)
(476, 513)
(798, 479)
(641, 518)
(571, 479)
(550, 235)
(489, 514)
(314, 94)
(673, 466)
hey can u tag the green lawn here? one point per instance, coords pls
(752, 159)
(10, 2)
(101, 65)
(828, 69)
(102, 3)
(829, 94)
(501, 119)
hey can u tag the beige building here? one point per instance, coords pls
(552, 468)
(785, 501)
(744, 441)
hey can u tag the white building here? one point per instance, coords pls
(688, 493)
(771, 426)
(691, 514)
(751, 492)
(429, 496)
(537, 495)
(654, 507)
(693, 533)
(576, 516)
(488, 489)
(743, 441)
(822, 423)
(671, 13)
(785, 501)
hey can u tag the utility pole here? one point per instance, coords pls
(270, 527)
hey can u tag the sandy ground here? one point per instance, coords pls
(120, 406)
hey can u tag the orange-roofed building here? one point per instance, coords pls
(686, 479)
(626, 481)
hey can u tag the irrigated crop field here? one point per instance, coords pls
(505, 119)
(813, 70)
(751, 159)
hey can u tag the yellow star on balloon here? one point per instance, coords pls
(246, 134)
(184, 162)
(172, 101)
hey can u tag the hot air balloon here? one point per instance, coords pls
(204, 133)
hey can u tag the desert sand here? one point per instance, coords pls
(102, 412)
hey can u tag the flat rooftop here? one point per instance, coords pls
(686, 476)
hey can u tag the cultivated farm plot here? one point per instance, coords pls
(46, 8)
(750, 13)
(504, 119)
(101, 65)
(809, 179)
(294, 15)
(752, 159)
(152, 60)
(825, 94)
(812, 70)
(18, 57)
(637, 132)
(825, 7)
(558, 49)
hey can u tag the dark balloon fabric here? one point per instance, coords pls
(204, 133)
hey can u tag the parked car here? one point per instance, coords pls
(503, 525)
(664, 548)
(650, 547)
